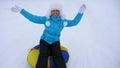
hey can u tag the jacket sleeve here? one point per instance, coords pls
(33, 18)
(75, 21)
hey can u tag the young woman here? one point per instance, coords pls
(50, 39)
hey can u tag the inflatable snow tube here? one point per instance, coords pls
(34, 53)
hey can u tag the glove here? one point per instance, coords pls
(82, 8)
(16, 9)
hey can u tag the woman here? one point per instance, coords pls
(50, 39)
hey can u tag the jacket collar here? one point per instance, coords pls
(55, 18)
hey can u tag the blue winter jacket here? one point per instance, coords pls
(51, 33)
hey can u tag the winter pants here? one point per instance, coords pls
(54, 51)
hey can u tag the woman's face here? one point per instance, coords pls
(55, 12)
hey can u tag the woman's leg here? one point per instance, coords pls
(43, 57)
(57, 55)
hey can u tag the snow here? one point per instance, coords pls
(93, 43)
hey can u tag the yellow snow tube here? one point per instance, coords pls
(33, 54)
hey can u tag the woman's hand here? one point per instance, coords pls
(16, 9)
(82, 8)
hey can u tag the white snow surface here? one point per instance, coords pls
(93, 43)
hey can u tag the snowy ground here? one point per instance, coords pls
(94, 43)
